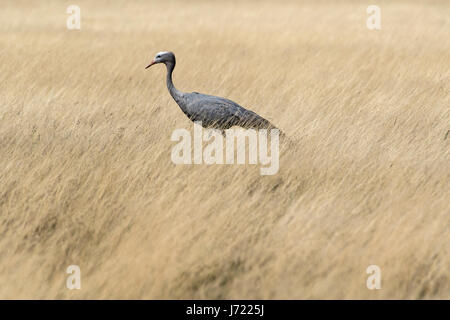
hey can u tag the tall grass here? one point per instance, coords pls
(86, 176)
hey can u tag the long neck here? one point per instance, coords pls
(176, 94)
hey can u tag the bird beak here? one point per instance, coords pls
(152, 63)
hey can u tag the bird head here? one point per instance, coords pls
(162, 57)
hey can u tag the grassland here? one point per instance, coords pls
(86, 176)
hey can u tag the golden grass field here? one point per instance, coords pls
(85, 171)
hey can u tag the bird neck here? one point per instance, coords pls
(176, 94)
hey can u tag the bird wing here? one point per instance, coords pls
(212, 110)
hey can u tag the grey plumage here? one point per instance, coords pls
(213, 112)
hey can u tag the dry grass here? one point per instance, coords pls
(86, 176)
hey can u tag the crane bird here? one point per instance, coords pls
(213, 112)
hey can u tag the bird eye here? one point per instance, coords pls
(158, 56)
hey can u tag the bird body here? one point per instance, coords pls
(219, 112)
(212, 111)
